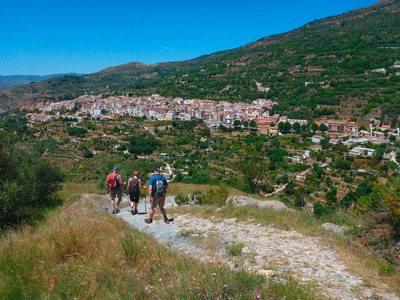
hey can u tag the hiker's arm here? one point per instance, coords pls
(127, 186)
(121, 182)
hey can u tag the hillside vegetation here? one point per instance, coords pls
(52, 252)
(348, 61)
(81, 252)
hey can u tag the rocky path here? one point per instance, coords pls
(268, 250)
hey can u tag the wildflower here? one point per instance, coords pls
(225, 285)
(197, 288)
(148, 287)
(213, 274)
(257, 296)
(160, 279)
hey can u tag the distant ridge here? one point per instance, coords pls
(15, 80)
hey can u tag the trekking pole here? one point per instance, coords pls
(145, 197)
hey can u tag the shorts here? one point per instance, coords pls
(116, 194)
(157, 200)
(134, 197)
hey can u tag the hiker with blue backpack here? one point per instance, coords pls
(133, 190)
(113, 187)
(157, 193)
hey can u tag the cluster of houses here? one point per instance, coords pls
(212, 112)
(155, 108)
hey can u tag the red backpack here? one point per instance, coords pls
(112, 181)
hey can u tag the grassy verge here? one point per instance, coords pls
(81, 253)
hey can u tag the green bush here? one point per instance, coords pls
(387, 269)
(197, 196)
(216, 197)
(27, 189)
(181, 198)
(319, 209)
(235, 248)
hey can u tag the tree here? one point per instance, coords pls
(325, 143)
(323, 127)
(343, 164)
(24, 203)
(142, 145)
(319, 171)
(284, 127)
(88, 154)
(253, 168)
(362, 127)
(296, 127)
(253, 124)
(389, 194)
(236, 123)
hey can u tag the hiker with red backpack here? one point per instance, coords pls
(157, 193)
(133, 190)
(113, 187)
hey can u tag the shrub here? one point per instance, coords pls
(319, 209)
(27, 189)
(217, 197)
(197, 197)
(387, 269)
(181, 198)
(235, 248)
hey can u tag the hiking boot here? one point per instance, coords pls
(136, 212)
(148, 221)
(166, 220)
(116, 210)
(133, 213)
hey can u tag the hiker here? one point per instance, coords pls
(157, 191)
(113, 187)
(133, 190)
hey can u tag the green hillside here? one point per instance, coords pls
(348, 62)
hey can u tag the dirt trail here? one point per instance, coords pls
(276, 251)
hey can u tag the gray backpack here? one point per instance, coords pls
(160, 190)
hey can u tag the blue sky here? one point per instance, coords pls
(43, 37)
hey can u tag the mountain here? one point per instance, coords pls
(15, 80)
(340, 66)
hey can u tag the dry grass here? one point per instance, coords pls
(83, 253)
(175, 188)
(71, 188)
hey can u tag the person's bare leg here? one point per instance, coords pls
(164, 213)
(112, 205)
(118, 203)
(151, 213)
